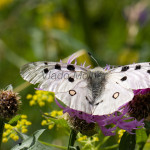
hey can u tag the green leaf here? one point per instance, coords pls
(31, 142)
(147, 126)
(14, 120)
(127, 142)
(141, 138)
(21, 135)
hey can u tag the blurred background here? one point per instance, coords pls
(115, 32)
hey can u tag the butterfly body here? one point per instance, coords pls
(96, 82)
(94, 91)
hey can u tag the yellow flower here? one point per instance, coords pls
(44, 97)
(10, 131)
(28, 123)
(49, 122)
(24, 130)
(54, 113)
(35, 97)
(4, 3)
(60, 113)
(95, 139)
(120, 134)
(41, 104)
(5, 134)
(12, 135)
(50, 99)
(44, 122)
(40, 97)
(4, 140)
(82, 138)
(15, 138)
(29, 96)
(50, 126)
(32, 102)
(7, 126)
(24, 116)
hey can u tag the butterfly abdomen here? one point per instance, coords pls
(96, 82)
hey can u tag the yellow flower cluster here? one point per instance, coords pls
(50, 123)
(4, 3)
(58, 20)
(40, 97)
(120, 134)
(10, 131)
(84, 138)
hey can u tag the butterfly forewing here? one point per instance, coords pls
(135, 76)
(66, 80)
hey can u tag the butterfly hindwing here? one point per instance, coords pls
(113, 96)
(76, 99)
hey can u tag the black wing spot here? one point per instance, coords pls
(71, 67)
(148, 71)
(45, 63)
(115, 95)
(57, 66)
(137, 67)
(124, 78)
(70, 79)
(46, 70)
(99, 102)
(125, 68)
(72, 92)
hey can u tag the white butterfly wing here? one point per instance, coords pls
(74, 91)
(135, 76)
(68, 81)
(120, 85)
(113, 96)
(77, 101)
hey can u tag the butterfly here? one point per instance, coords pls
(95, 91)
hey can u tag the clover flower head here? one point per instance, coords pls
(139, 107)
(9, 103)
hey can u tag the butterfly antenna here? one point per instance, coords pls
(93, 58)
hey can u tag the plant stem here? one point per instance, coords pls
(52, 145)
(1, 131)
(72, 138)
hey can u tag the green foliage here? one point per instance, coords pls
(14, 120)
(31, 143)
(127, 142)
(141, 138)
